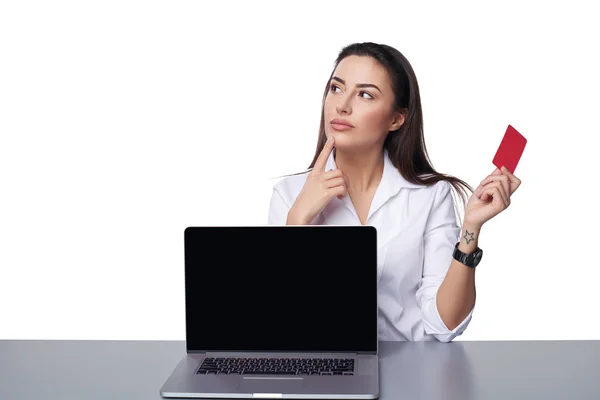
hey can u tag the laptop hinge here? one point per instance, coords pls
(296, 354)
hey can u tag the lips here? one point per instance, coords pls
(337, 121)
(340, 124)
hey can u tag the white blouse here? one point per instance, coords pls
(416, 233)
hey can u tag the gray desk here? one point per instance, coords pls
(120, 370)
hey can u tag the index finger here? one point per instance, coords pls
(324, 155)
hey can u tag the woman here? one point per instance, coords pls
(371, 167)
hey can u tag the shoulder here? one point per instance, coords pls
(436, 190)
(440, 192)
(442, 203)
(290, 186)
(435, 198)
(441, 187)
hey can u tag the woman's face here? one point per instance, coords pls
(360, 94)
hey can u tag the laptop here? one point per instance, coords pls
(279, 312)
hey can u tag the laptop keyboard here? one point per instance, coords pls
(277, 366)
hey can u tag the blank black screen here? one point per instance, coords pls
(281, 288)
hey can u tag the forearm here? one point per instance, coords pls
(294, 219)
(456, 295)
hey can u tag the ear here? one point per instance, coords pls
(398, 120)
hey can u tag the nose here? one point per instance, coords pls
(343, 105)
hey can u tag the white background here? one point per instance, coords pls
(123, 122)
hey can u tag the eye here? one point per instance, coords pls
(333, 87)
(368, 94)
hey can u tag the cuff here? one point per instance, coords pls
(434, 325)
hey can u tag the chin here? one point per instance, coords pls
(341, 140)
(337, 135)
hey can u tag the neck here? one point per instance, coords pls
(364, 169)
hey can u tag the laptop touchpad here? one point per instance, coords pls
(270, 385)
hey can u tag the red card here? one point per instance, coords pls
(510, 150)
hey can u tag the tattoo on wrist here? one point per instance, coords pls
(469, 236)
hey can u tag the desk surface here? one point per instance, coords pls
(408, 370)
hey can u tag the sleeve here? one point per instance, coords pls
(440, 237)
(278, 209)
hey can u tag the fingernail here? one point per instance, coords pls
(504, 168)
(329, 139)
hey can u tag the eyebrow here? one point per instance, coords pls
(358, 85)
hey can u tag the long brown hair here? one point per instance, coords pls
(405, 146)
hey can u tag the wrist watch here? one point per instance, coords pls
(471, 259)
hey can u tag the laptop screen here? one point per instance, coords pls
(281, 288)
